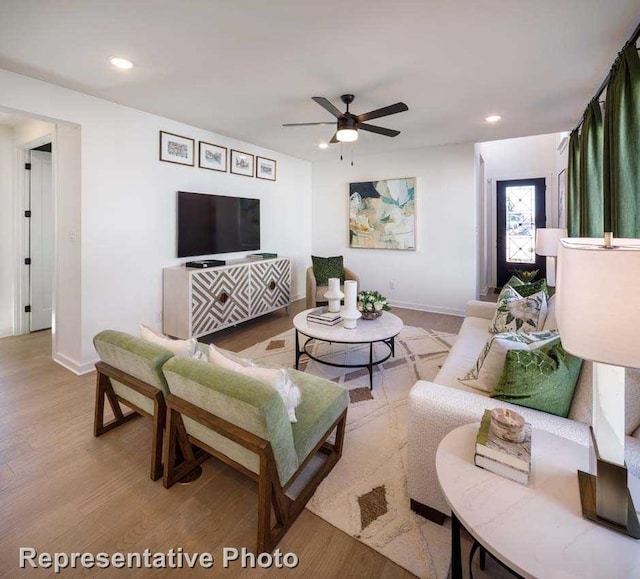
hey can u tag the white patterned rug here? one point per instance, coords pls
(366, 494)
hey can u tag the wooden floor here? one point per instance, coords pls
(62, 490)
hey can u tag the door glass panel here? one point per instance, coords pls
(521, 224)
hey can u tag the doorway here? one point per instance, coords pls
(521, 209)
(41, 227)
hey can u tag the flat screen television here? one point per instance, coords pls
(209, 224)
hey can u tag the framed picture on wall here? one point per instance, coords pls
(562, 199)
(382, 214)
(241, 163)
(213, 157)
(176, 149)
(265, 169)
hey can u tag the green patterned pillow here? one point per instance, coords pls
(543, 379)
(488, 367)
(326, 267)
(528, 289)
(515, 313)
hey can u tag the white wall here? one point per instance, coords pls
(441, 274)
(128, 207)
(7, 260)
(522, 158)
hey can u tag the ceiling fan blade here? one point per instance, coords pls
(379, 130)
(334, 139)
(383, 112)
(326, 104)
(308, 124)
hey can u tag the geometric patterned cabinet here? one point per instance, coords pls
(202, 301)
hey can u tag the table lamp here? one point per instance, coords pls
(547, 244)
(598, 313)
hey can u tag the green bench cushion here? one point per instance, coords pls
(135, 357)
(245, 402)
(321, 404)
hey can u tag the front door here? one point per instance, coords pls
(520, 211)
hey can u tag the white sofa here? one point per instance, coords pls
(436, 408)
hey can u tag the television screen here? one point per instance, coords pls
(209, 224)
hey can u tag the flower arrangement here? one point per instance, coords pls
(371, 304)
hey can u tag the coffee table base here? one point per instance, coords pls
(389, 342)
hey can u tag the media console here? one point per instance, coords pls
(197, 302)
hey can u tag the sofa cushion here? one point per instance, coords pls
(542, 379)
(326, 267)
(486, 371)
(322, 403)
(526, 289)
(515, 313)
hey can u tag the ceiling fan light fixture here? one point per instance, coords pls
(347, 135)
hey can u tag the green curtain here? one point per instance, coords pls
(574, 199)
(591, 148)
(622, 146)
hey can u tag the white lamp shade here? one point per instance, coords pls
(598, 300)
(548, 240)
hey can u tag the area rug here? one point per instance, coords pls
(366, 494)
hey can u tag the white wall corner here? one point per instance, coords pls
(77, 368)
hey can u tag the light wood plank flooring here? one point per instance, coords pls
(62, 490)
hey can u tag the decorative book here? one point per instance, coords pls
(516, 455)
(502, 469)
(323, 315)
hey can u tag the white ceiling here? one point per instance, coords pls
(243, 67)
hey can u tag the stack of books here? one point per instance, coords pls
(324, 316)
(511, 460)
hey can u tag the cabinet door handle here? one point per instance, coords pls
(223, 297)
(272, 285)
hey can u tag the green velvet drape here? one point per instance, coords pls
(622, 146)
(591, 150)
(574, 198)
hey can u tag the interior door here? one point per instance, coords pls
(41, 241)
(520, 211)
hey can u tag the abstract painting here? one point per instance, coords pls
(176, 149)
(241, 163)
(382, 214)
(213, 157)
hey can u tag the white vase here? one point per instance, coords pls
(350, 313)
(334, 295)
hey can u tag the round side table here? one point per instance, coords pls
(537, 531)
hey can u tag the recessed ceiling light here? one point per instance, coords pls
(119, 62)
(493, 118)
(324, 145)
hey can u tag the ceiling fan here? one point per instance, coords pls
(348, 124)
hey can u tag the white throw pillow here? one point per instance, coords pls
(515, 313)
(488, 367)
(550, 322)
(276, 378)
(183, 348)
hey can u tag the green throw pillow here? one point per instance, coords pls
(326, 267)
(528, 289)
(543, 379)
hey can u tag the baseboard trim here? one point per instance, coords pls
(434, 515)
(428, 308)
(73, 366)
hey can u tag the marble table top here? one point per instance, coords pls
(382, 328)
(538, 531)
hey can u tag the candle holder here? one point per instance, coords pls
(334, 295)
(350, 313)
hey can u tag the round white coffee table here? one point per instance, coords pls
(537, 531)
(382, 330)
